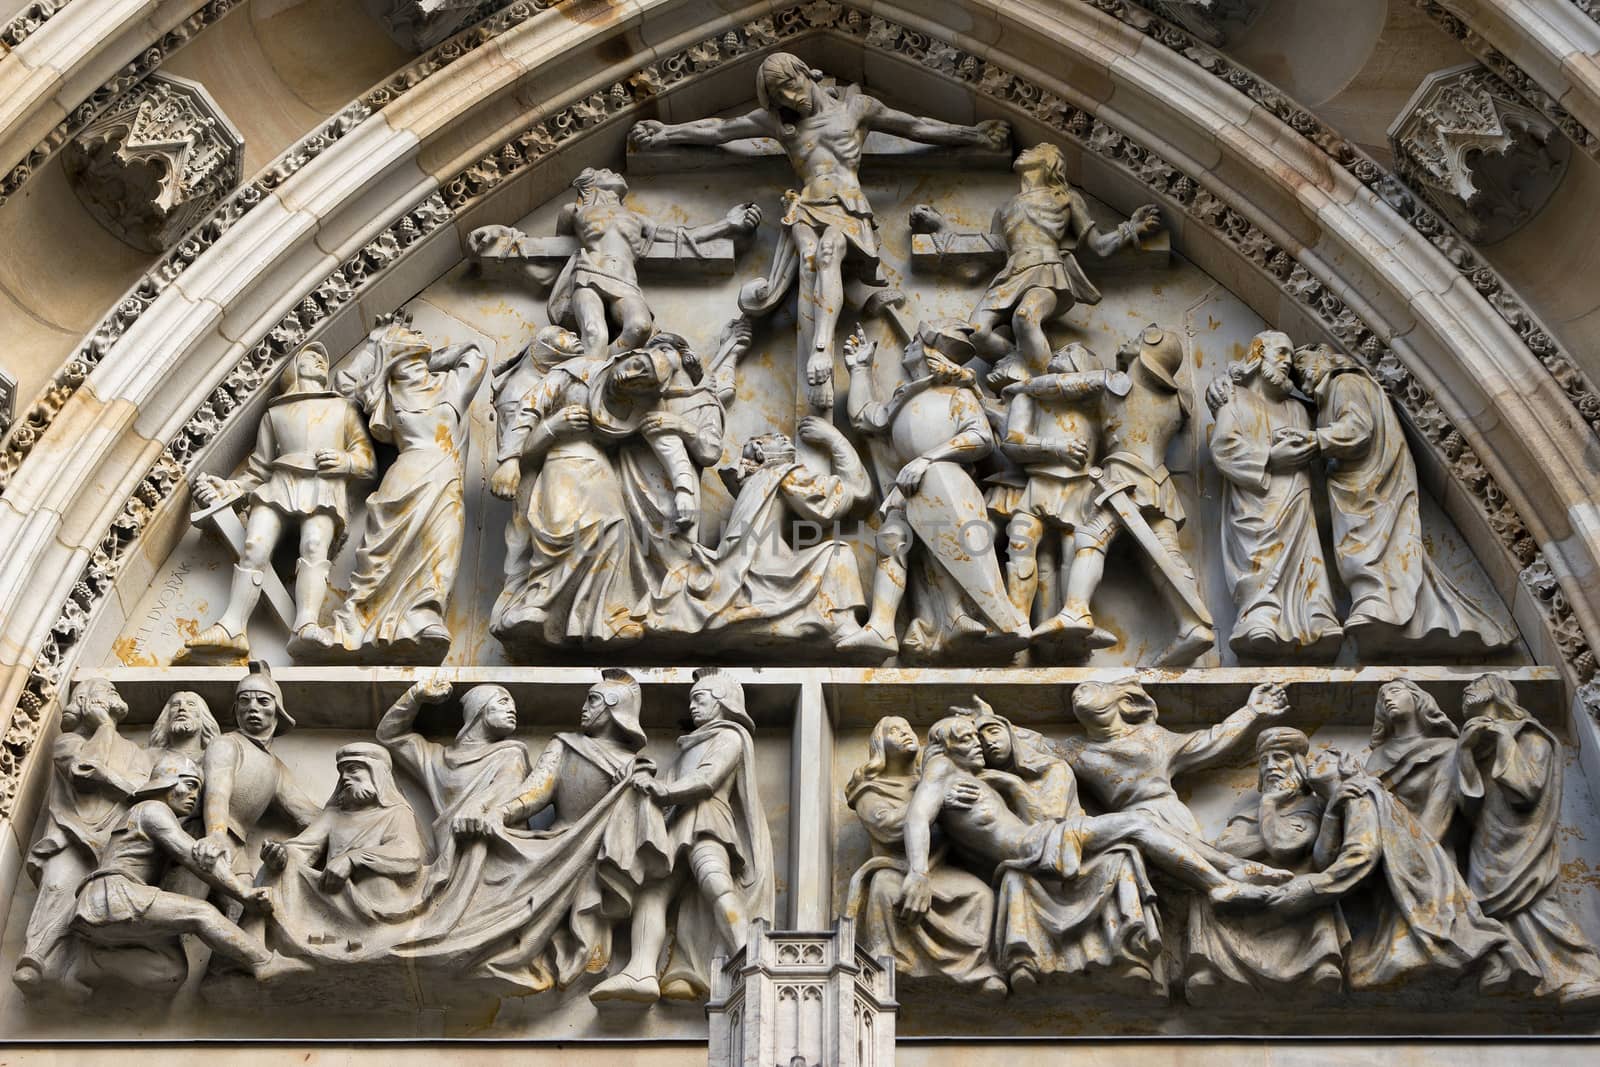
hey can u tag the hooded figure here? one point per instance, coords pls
(416, 398)
(1396, 592)
(1413, 754)
(358, 861)
(1508, 773)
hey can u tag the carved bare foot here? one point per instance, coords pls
(628, 988)
(819, 378)
(1260, 874)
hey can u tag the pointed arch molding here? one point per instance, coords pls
(406, 171)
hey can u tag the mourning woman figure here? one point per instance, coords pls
(952, 939)
(1413, 754)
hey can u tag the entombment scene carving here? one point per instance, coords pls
(1022, 601)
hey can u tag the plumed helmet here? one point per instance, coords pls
(170, 769)
(258, 679)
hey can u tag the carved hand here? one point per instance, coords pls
(1074, 452)
(1291, 449)
(947, 373)
(274, 855)
(507, 476)
(208, 489)
(993, 133)
(858, 351)
(686, 510)
(478, 824)
(909, 480)
(814, 430)
(1146, 220)
(213, 849)
(645, 134)
(335, 875)
(434, 689)
(962, 795)
(736, 335)
(571, 421)
(661, 423)
(1219, 393)
(655, 790)
(1269, 699)
(1294, 896)
(260, 898)
(744, 218)
(916, 897)
(330, 461)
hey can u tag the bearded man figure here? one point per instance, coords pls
(1268, 951)
(359, 861)
(1263, 446)
(185, 727)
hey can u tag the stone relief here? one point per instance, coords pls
(1324, 881)
(149, 167)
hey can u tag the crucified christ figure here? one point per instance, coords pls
(829, 222)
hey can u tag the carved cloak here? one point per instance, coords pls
(1420, 771)
(1377, 522)
(1514, 858)
(735, 816)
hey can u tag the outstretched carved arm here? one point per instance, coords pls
(990, 134)
(538, 790)
(653, 134)
(1204, 747)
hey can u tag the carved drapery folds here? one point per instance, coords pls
(1483, 157)
(156, 162)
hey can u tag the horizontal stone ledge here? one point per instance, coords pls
(855, 696)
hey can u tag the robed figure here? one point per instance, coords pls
(416, 398)
(1271, 552)
(1509, 776)
(1396, 592)
(1414, 754)
(952, 939)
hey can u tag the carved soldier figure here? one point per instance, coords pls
(1411, 917)
(1396, 592)
(571, 776)
(722, 849)
(95, 770)
(1136, 493)
(951, 940)
(1263, 446)
(310, 446)
(360, 858)
(1414, 755)
(1269, 951)
(184, 726)
(598, 288)
(753, 584)
(829, 224)
(1041, 227)
(244, 778)
(1053, 431)
(121, 905)
(1509, 779)
(932, 428)
(416, 398)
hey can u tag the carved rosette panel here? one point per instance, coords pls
(1479, 153)
(156, 162)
